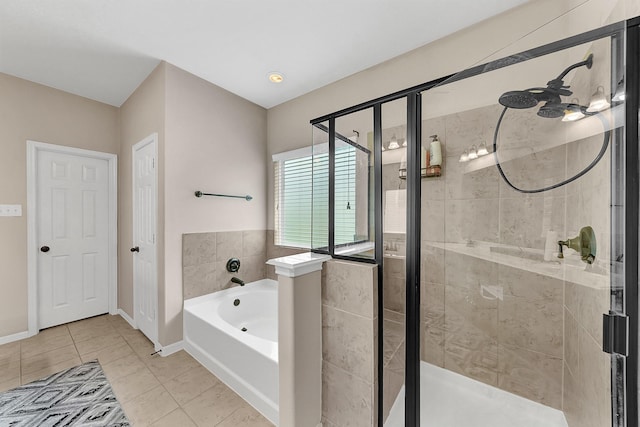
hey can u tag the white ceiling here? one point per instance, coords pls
(103, 49)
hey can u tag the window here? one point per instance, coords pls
(301, 176)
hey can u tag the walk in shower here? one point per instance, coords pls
(500, 205)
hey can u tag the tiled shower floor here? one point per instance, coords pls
(452, 400)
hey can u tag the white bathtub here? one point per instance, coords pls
(247, 361)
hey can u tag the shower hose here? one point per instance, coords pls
(603, 149)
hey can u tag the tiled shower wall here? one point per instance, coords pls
(542, 340)
(205, 256)
(587, 383)
(514, 343)
(349, 344)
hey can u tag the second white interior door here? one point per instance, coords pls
(144, 236)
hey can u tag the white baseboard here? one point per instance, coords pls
(126, 317)
(14, 337)
(168, 350)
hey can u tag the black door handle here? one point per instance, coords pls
(45, 249)
(136, 249)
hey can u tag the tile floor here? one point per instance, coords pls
(153, 390)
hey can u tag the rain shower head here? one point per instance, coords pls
(518, 99)
(522, 99)
(550, 95)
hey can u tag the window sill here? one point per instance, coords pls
(355, 249)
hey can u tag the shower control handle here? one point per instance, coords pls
(560, 243)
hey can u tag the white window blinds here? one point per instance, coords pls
(301, 197)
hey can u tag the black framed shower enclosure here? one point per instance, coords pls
(625, 216)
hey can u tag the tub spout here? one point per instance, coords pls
(238, 281)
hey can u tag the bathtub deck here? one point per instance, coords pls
(451, 400)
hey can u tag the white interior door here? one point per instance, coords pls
(73, 237)
(144, 236)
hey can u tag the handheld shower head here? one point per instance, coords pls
(551, 110)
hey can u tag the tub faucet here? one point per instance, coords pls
(238, 281)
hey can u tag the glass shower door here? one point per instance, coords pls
(521, 240)
(394, 202)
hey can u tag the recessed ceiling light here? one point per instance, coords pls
(275, 77)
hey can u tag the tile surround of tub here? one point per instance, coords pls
(205, 255)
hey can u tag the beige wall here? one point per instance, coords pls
(209, 140)
(492, 39)
(215, 142)
(140, 116)
(29, 111)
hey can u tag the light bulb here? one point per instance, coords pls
(482, 150)
(473, 154)
(464, 157)
(275, 77)
(573, 112)
(404, 144)
(393, 144)
(620, 94)
(598, 101)
(572, 115)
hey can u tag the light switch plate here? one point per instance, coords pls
(10, 210)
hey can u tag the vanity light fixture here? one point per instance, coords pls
(598, 101)
(275, 77)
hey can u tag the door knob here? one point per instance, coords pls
(45, 249)
(135, 249)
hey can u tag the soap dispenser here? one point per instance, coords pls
(434, 158)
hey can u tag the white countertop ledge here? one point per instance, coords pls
(299, 264)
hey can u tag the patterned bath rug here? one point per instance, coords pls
(80, 396)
